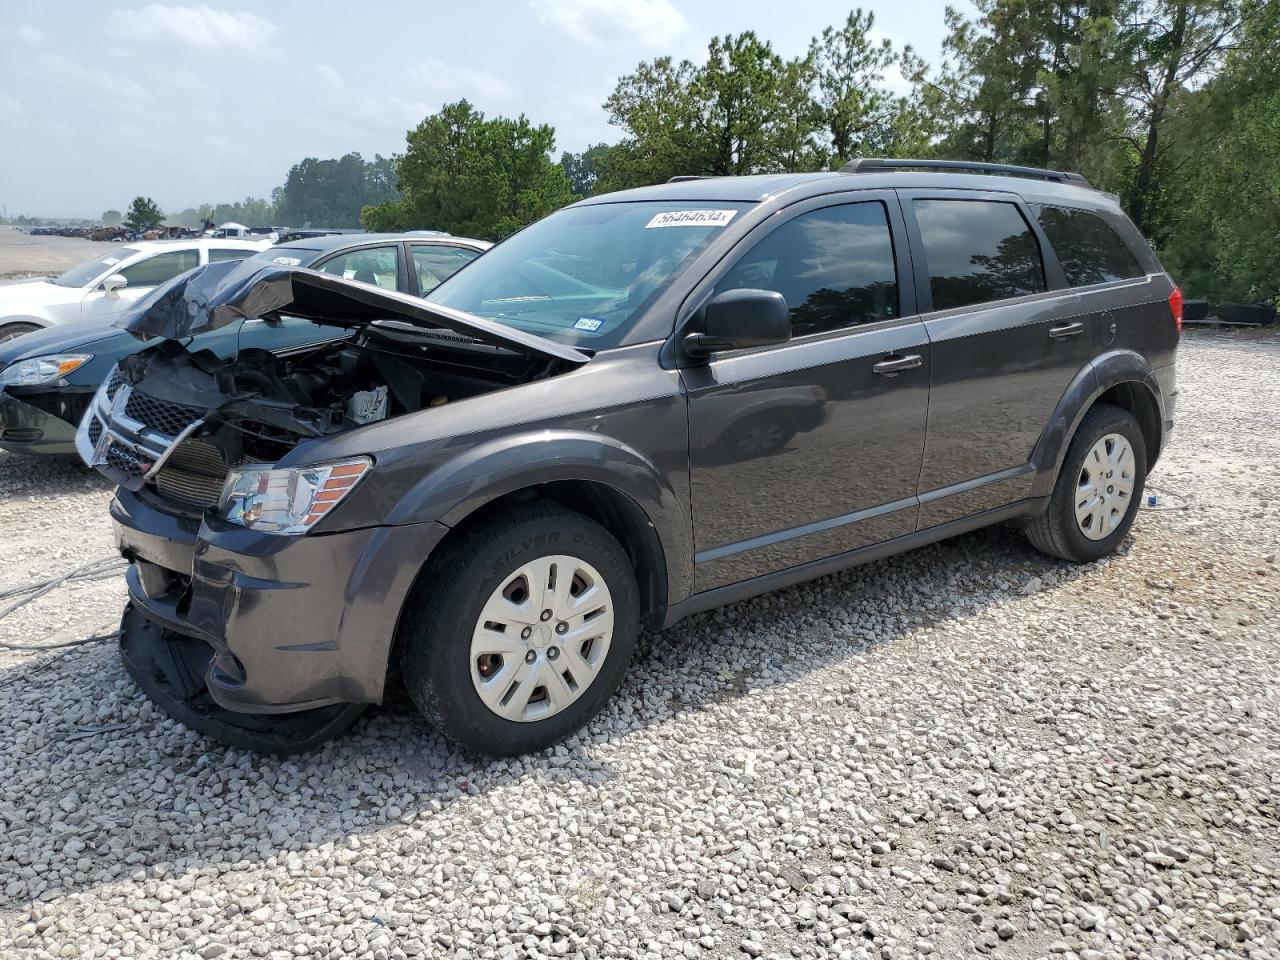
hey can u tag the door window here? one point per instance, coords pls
(161, 268)
(1088, 249)
(375, 265)
(218, 254)
(978, 251)
(834, 267)
(436, 263)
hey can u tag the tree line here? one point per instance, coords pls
(1174, 105)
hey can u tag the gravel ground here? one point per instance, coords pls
(964, 751)
(22, 255)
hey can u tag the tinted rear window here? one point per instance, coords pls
(1089, 250)
(978, 251)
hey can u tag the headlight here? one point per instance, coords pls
(37, 370)
(288, 501)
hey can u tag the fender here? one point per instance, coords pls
(460, 486)
(1093, 380)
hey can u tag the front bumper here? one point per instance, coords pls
(25, 428)
(291, 623)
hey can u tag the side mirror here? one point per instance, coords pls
(114, 284)
(738, 319)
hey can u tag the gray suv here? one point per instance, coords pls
(644, 406)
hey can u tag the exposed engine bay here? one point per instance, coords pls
(180, 420)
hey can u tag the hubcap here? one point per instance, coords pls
(541, 638)
(1105, 487)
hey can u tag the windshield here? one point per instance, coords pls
(86, 273)
(582, 275)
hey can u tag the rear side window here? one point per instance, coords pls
(978, 251)
(834, 267)
(218, 254)
(1089, 250)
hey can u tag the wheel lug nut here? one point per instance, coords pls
(562, 627)
(526, 633)
(553, 652)
(531, 656)
(546, 614)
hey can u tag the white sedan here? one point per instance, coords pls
(102, 288)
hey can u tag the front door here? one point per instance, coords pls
(141, 276)
(812, 448)
(1007, 339)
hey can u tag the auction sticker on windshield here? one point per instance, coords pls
(691, 218)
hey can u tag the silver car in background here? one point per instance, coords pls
(102, 288)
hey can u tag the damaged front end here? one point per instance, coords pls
(179, 421)
(216, 531)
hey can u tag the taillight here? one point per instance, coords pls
(1175, 307)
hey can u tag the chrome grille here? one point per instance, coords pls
(127, 462)
(160, 416)
(114, 382)
(194, 474)
(95, 430)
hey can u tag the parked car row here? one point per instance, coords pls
(57, 345)
(492, 489)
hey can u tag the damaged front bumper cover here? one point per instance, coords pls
(265, 642)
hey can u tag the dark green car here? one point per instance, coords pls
(48, 377)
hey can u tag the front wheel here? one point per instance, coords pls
(520, 632)
(11, 331)
(1098, 491)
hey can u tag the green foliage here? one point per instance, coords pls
(584, 169)
(748, 110)
(331, 193)
(112, 218)
(143, 215)
(1222, 200)
(473, 177)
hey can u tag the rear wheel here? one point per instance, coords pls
(521, 631)
(11, 331)
(1098, 491)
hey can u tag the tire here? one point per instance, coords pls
(1059, 531)
(11, 331)
(446, 625)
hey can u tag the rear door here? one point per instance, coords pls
(812, 448)
(1006, 335)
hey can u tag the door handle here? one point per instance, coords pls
(1064, 330)
(895, 365)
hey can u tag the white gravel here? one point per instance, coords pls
(964, 751)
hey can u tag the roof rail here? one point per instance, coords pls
(876, 164)
(684, 177)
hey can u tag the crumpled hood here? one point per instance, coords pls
(215, 295)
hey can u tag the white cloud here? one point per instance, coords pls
(609, 22)
(478, 86)
(201, 27)
(29, 34)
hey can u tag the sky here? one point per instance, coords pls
(189, 104)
